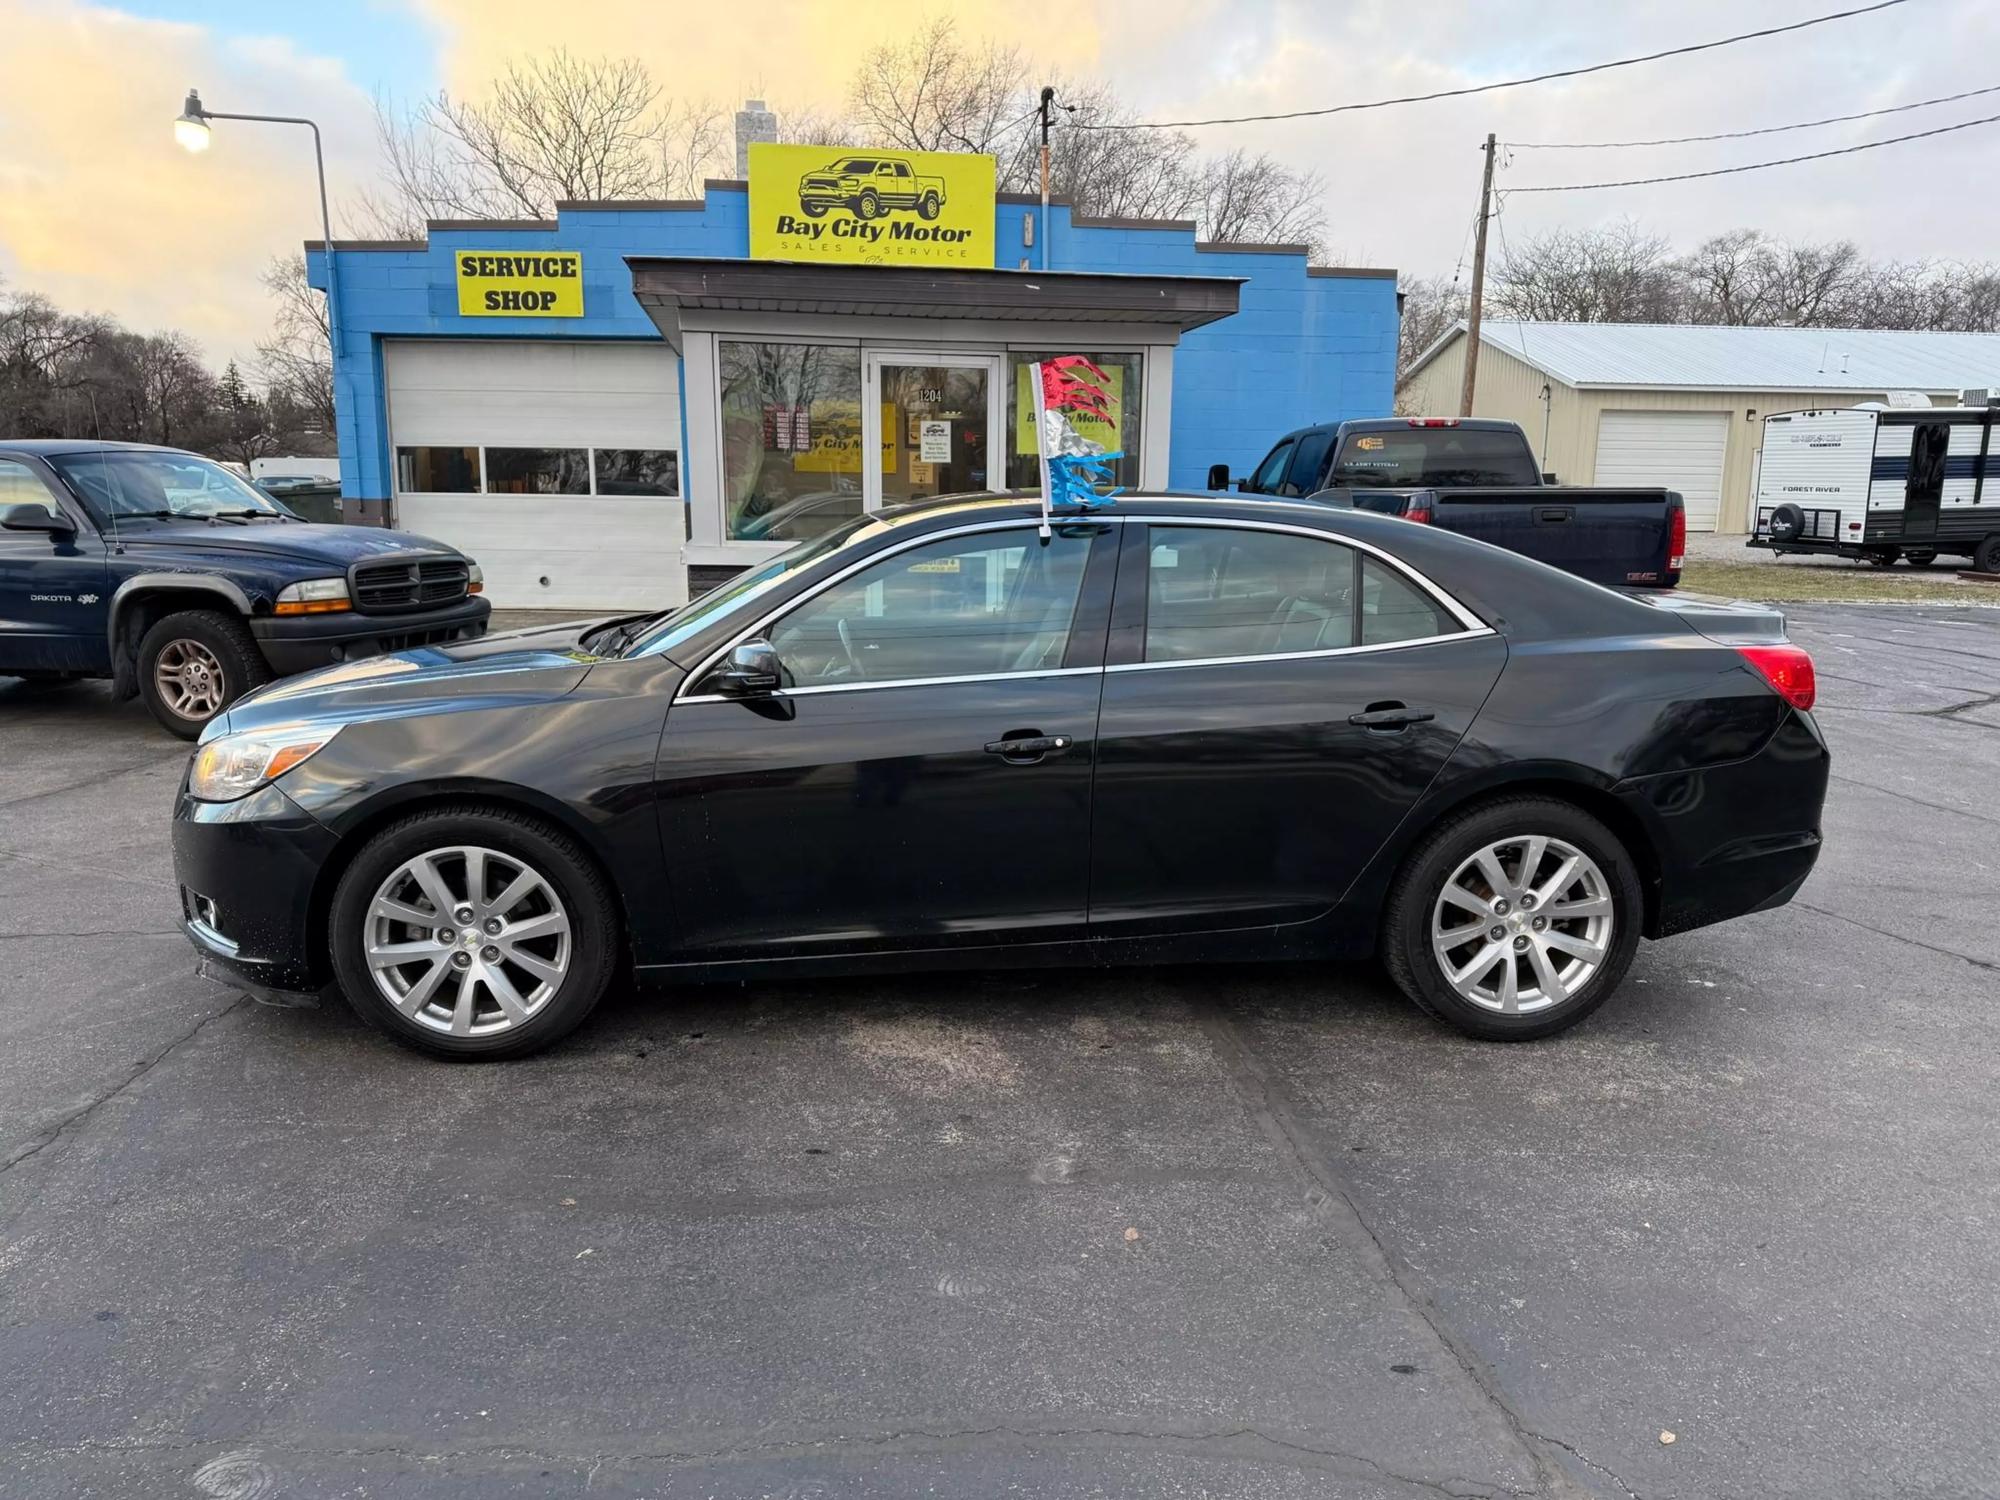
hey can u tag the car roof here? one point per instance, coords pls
(1025, 505)
(47, 447)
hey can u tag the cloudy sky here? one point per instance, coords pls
(99, 211)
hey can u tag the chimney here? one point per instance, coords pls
(753, 123)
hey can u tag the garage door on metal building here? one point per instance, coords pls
(555, 465)
(1678, 450)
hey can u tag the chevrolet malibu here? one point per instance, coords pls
(1173, 729)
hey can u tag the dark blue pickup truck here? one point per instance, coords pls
(188, 586)
(1478, 476)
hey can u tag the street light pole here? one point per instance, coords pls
(191, 129)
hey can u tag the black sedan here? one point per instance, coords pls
(1175, 729)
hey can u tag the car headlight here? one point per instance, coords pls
(235, 765)
(315, 596)
(475, 580)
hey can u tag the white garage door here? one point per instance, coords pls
(1680, 450)
(555, 465)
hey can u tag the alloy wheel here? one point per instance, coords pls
(189, 679)
(1522, 924)
(467, 941)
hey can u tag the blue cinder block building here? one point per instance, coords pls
(617, 406)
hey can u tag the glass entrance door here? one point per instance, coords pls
(935, 420)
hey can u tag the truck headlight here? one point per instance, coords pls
(475, 581)
(315, 596)
(235, 765)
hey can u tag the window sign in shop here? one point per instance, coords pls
(1097, 429)
(934, 442)
(520, 284)
(868, 207)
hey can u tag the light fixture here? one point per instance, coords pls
(191, 129)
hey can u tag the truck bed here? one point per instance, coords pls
(1611, 536)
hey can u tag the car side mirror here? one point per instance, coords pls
(1218, 476)
(752, 670)
(1549, 477)
(36, 518)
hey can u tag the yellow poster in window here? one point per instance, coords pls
(1096, 429)
(833, 439)
(829, 203)
(520, 284)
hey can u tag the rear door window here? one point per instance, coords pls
(1213, 591)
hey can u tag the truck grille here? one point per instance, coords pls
(386, 588)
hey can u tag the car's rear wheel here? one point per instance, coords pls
(1514, 920)
(470, 933)
(193, 665)
(930, 206)
(1986, 556)
(1922, 558)
(867, 206)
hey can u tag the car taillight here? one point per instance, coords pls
(1677, 539)
(1420, 513)
(1788, 669)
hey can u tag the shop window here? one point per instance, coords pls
(990, 603)
(437, 471)
(791, 439)
(537, 471)
(1119, 434)
(637, 471)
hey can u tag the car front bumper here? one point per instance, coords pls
(299, 643)
(249, 876)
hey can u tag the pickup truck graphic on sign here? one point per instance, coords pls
(870, 186)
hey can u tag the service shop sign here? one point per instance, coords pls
(520, 284)
(878, 208)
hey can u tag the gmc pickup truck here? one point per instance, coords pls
(869, 186)
(1478, 477)
(189, 587)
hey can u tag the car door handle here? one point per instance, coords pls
(1391, 716)
(1026, 749)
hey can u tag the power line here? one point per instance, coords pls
(1511, 83)
(1735, 135)
(1755, 166)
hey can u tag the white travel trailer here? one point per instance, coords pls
(1877, 484)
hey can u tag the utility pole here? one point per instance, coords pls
(1048, 103)
(1476, 305)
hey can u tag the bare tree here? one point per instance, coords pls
(552, 128)
(936, 93)
(296, 360)
(1620, 274)
(1431, 305)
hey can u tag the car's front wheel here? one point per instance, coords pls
(194, 664)
(473, 933)
(1514, 920)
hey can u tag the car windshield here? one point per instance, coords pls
(675, 626)
(1420, 457)
(120, 484)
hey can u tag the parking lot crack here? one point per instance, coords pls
(1901, 937)
(1264, 1098)
(1589, 1463)
(77, 1118)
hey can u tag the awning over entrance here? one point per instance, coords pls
(668, 286)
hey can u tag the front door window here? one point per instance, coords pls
(937, 427)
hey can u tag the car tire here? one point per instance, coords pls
(1884, 557)
(813, 210)
(867, 206)
(195, 663)
(1787, 524)
(1986, 557)
(450, 981)
(1420, 919)
(929, 208)
(1920, 559)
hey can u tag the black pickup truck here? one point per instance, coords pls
(181, 583)
(1478, 477)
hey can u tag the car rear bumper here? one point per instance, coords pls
(299, 643)
(248, 871)
(1736, 838)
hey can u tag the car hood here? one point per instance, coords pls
(516, 667)
(305, 542)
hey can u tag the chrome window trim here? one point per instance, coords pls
(900, 682)
(1231, 661)
(1472, 623)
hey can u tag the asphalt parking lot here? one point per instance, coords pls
(1231, 1232)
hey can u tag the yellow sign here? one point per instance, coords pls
(835, 446)
(925, 208)
(1096, 429)
(520, 284)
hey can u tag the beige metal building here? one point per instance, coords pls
(1684, 406)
